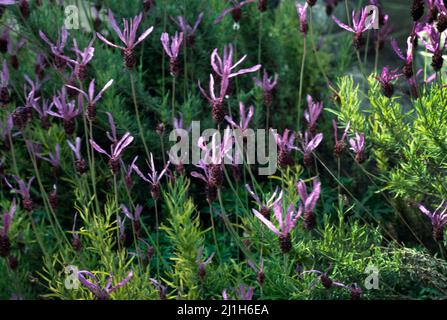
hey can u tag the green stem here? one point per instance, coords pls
(303, 62)
(137, 113)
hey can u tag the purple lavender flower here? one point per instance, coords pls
(94, 286)
(243, 292)
(202, 264)
(285, 225)
(339, 144)
(407, 69)
(4, 83)
(267, 85)
(13, 51)
(286, 145)
(216, 154)
(57, 48)
(224, 67)
(134, 217)
(24, 191)
(92, 100)
(438, 220)
(82, 59)
(112, 136)
(5, 244)
(55, 160)
(153, 177)
(309, 202)
(163, 291)
(188, 30)
(358, 147)
(116, 151)
(121, 223)
(308, 146)
(386, 78)
(128, 37)
(216, 102)
(6, 132)
(260, 275)
(66, 110)
(128, 173)
(301, 11)
(245, 118)
(265, 206)
(80, 164)
(324, 278)
(39, 66)
(359, 26)
(210, 188)
(433, 45)
(172, 49)
(312, 113)
(76, 238)
(235, 10)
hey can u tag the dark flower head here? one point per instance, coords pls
(128, 37)
(235, 10)
(339, 144)
(386, 78)
(116, 151)
(358, 147)
(57, 48)
(301, 11)
(408, 58)
(152, 177)
(188, 30)
(360, 25)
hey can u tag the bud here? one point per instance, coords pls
(309, 220)
(417, 9)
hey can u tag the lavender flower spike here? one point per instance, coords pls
(172, 50)
(4, 83)
(55, 160)
(358, 147)
(57, 49)
(224, 67)
(161, 288)
(116, 151)
(128, 37)
(359, 26)
(260, 275)
(438, 220)
(153, 177)
(309, 202)
(339, 144)
(285, 225)
(243, 292)
(312, 113)
(202, 264)
(433, 45)
(301, 11)
(42, 110)
(308, 146)
(92, 100)
(5, 244)
(23, 191)
(95, 288)
(407, 69)
(134, 217)
(66, 110)
(286, 145)
(245, 118)
(80, 164)
(216, 101)
(267, 85)
(235, 10)
(386, 77)
(82, 59)
(266, 206)
(188, 30)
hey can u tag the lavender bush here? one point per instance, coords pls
(93, 206)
